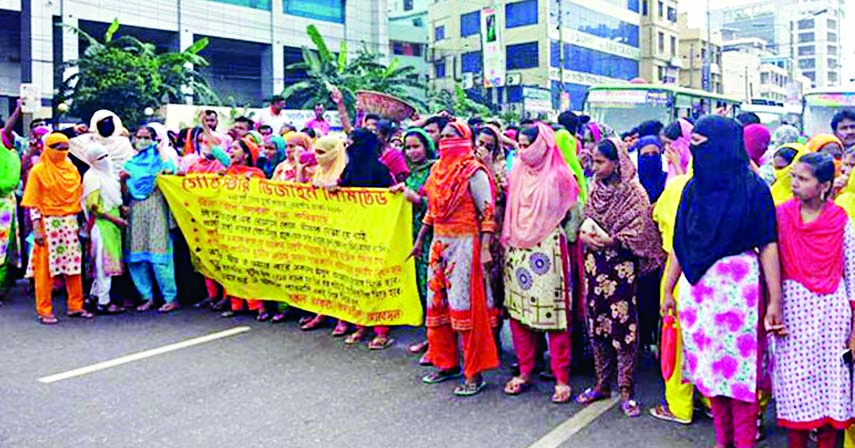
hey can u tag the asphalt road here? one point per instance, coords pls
(274, 386)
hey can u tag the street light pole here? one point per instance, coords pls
(709, 58)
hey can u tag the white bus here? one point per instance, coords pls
(820, 105)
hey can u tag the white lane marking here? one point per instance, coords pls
(563, 432)
(141, 355)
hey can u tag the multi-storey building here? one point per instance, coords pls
(408, 35)
(806, 31)
(660, 41)
(251, 41)
(700, 52)
(536, 50)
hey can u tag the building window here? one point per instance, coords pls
(439, 69)
(808, 50)
(588, 21)
(644, 7)
(673, 46)
(832, 64)
(408, 5)
(661, 7)
(418, 22)
(807, 63)
(598, 63)
(660, 73)
(806, 37)
(832, 37)
(832, 24)
(661, 42)
(521, 13)
(405, 48)
(764, 78)
(832, 50)
(810, 75)
(326, 10)
(470, 23)
(806, 24)
(471, 62)
(832, 77)
(672, 14)
(522, 56)
(254, 4)
(439, 32)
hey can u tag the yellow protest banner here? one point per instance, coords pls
(340, 254)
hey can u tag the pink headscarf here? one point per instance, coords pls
(757, 139)
(683, 147)
(541, 189)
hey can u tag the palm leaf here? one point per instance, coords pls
(197, 46)
(320, 44)
(342, 55)
(111, 30)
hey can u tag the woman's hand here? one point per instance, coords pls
(37, 234)
(669, 304)
(775, 320)
(331, 189)
(486, 256)
(119, 222)
(397, 188)
(590, 241)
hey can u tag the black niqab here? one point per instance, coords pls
(726, 209)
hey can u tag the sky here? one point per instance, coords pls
(697, 18)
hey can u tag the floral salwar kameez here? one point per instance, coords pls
(10, 172)
(538, 291)
(612, 278)
(460, 210)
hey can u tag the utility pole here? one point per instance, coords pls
(561, 45)
(709, 58)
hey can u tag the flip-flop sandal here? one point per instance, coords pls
(469, 390)
(312, 323)
(168, 308)
(662, 413)
(227, 314)
(279, 317)
(262, 317)
(630, 408)
(339, 330)
(424, 361)
(48, 320)
(516, 386)
(417, 348)
(567, 398)
(82, 314)
(589, 396)
(383, 344)
(441, 376)
(355, 338)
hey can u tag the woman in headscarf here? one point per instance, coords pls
(150, 255)
(622, 244)
(757, 138)
(52, 196)
(331, 159)
(164, 145)
(298, 146)
(275, 149)
(105, 128)
(817, 244)
(421, 154)
(490, 151)
(716, 262)
(542, 193)
(676, 138)
(364, 170)
(782, 162)
(650, 172)
(244, 154)
(460, 214)
(286, 170)
(101, 200)
(10, 178)
(592, 135)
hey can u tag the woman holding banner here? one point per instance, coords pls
(460, 214)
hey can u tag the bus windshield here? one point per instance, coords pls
(820, 109)
(625, 109)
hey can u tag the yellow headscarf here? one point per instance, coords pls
(332, 159)
(782, 189)
(54, 186)
(846, 199)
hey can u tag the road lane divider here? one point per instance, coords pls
(563, 432)
(142, 355)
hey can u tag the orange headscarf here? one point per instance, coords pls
(54, 185)
(817, 142)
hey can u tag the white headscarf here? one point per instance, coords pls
(117, 143)
(101, 177)
(167, 152)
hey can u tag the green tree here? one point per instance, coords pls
(325, 70)
(126, 76)
(457, 102)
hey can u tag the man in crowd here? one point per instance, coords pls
(319, 123)
(274, 116)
